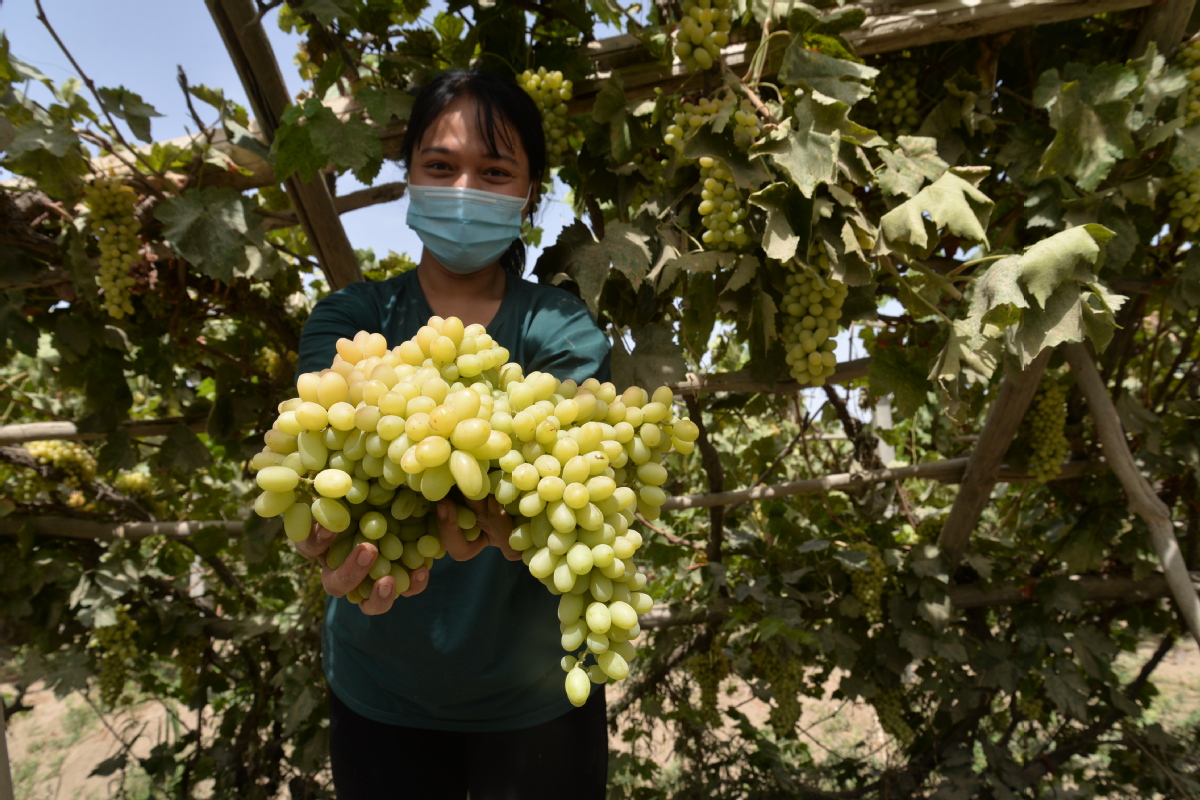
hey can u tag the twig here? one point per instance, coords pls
(711, 460)
(670, 537)
(187, 97)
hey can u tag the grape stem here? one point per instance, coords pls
(754, 98)
(890, 267)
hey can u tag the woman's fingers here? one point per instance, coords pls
(499, 527)
(338, 582)
(418, 579)
(317, 543)
(382, 596)
(457, 546)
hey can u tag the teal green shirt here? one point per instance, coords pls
(479, 649)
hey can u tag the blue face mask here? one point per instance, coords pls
(464, 229)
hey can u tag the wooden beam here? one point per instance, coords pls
(73, 528)
(982, 473)
(371, 196)
(67, 431)
(252, 55)
(1165, 25)
(1143, 500)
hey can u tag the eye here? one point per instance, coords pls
(437, 166)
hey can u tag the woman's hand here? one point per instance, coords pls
(338, 582)
(495, 528)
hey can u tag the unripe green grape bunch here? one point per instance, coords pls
(373, 441)
(811, 307)
(1044, 429)
(71, 457)
(708, 668)
(889, 705)
(651, 169)
(551, 91)
(116, 651)
(868, 583)
(135, 484)
(1184, 189)
(703, 31)
(896, 99)
(24, 486)
(266, 361)
(785, 675)
(110, 216)
(721, 208)
(690, 116)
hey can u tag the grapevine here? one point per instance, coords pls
(551, 91)
(71, 457)
(812, 306)
(1185, 188)
(889, 705)
(703, 31)
(111, 204)
(868, 583)
(116, 652)
(375, 440)
(1043, 427)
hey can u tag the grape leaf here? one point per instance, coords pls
(809, 153)
(182, 450)
(578, 257)
(845, 81)
(789, 220)
(951, 203)
(311, 136)
(903, 373)
(911, 164)
(129, 106)
(1091, 117)
(383, 103)
(656, 358)
(627, 249)
(1050, 262)
(211, 229)
(1185, 156)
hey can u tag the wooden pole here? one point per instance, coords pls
(1165, 25)
(6, 785)
(252, 55)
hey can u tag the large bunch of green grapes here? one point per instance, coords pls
(889, 705)
(708, 668)
(868, 583)
(71, 457)
(896, 99)
(373, 441)
(689, 116)
(110, 217)
(721, 208)
(703, 31)
(116, 652)
(785, 675)
(1043, 428)
(1184, 189)
(551, 91)
(811, 308)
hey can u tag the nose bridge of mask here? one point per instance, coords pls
(466, 195)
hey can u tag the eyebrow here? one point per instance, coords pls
(448, 151)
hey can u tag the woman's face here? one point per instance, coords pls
(453, 152)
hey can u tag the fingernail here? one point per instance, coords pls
(419, 577)
(442, 511)
(385, 592)
(323, 534)
(365, 557)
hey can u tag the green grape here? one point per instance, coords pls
(690, 116)
(111, 218)
(811, 308)
(785, 675)
(1184, 189)
(135, 484)
(71, 457)
(116, 651)
(703, 31)
(868, 583)
(896, 98)
(721, 208)
(267, 361)
(551, 92)
(25, 486)
(1043, 428)
(708, 668)
(889, 705)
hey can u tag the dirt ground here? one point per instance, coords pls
(54, 747)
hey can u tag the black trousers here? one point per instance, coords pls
(563, 758)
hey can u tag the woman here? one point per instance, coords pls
(454, 687)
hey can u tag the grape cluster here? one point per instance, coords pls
(721, 208)
(896, 99)
(889, 705)
(1029, 703)
(785, 674)
(551, 92)
(868, 583)
(690, 116)
(1184, 189)
(708, 668)
(110, 216)
(651, 169)
(1044, 429)
(135, 484)
(24, 486)
(266, 361)
(703, 31)
(190, 660)
(116, 653)
(75, 460)
(382, 434)
(812, 306)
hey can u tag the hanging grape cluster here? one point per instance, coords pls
(690, 116)
(24, 486)
(373, 441)
(868, 583)
(811, 306)
(190, 660)
(75, 460)
(896, 101)
(116, 651)
(721, 208)
(551, 92)
(135, 484)
(785, 675)
(651, 169)
(1029, 703)
(702, 32)
(889, 705)
(708, 668)
(1184, 190)
(1044, 429)
(110, 216)
(266, 361)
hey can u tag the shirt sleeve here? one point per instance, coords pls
(341, 314)
(565, 341)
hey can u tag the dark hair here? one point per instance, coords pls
(501, 103)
